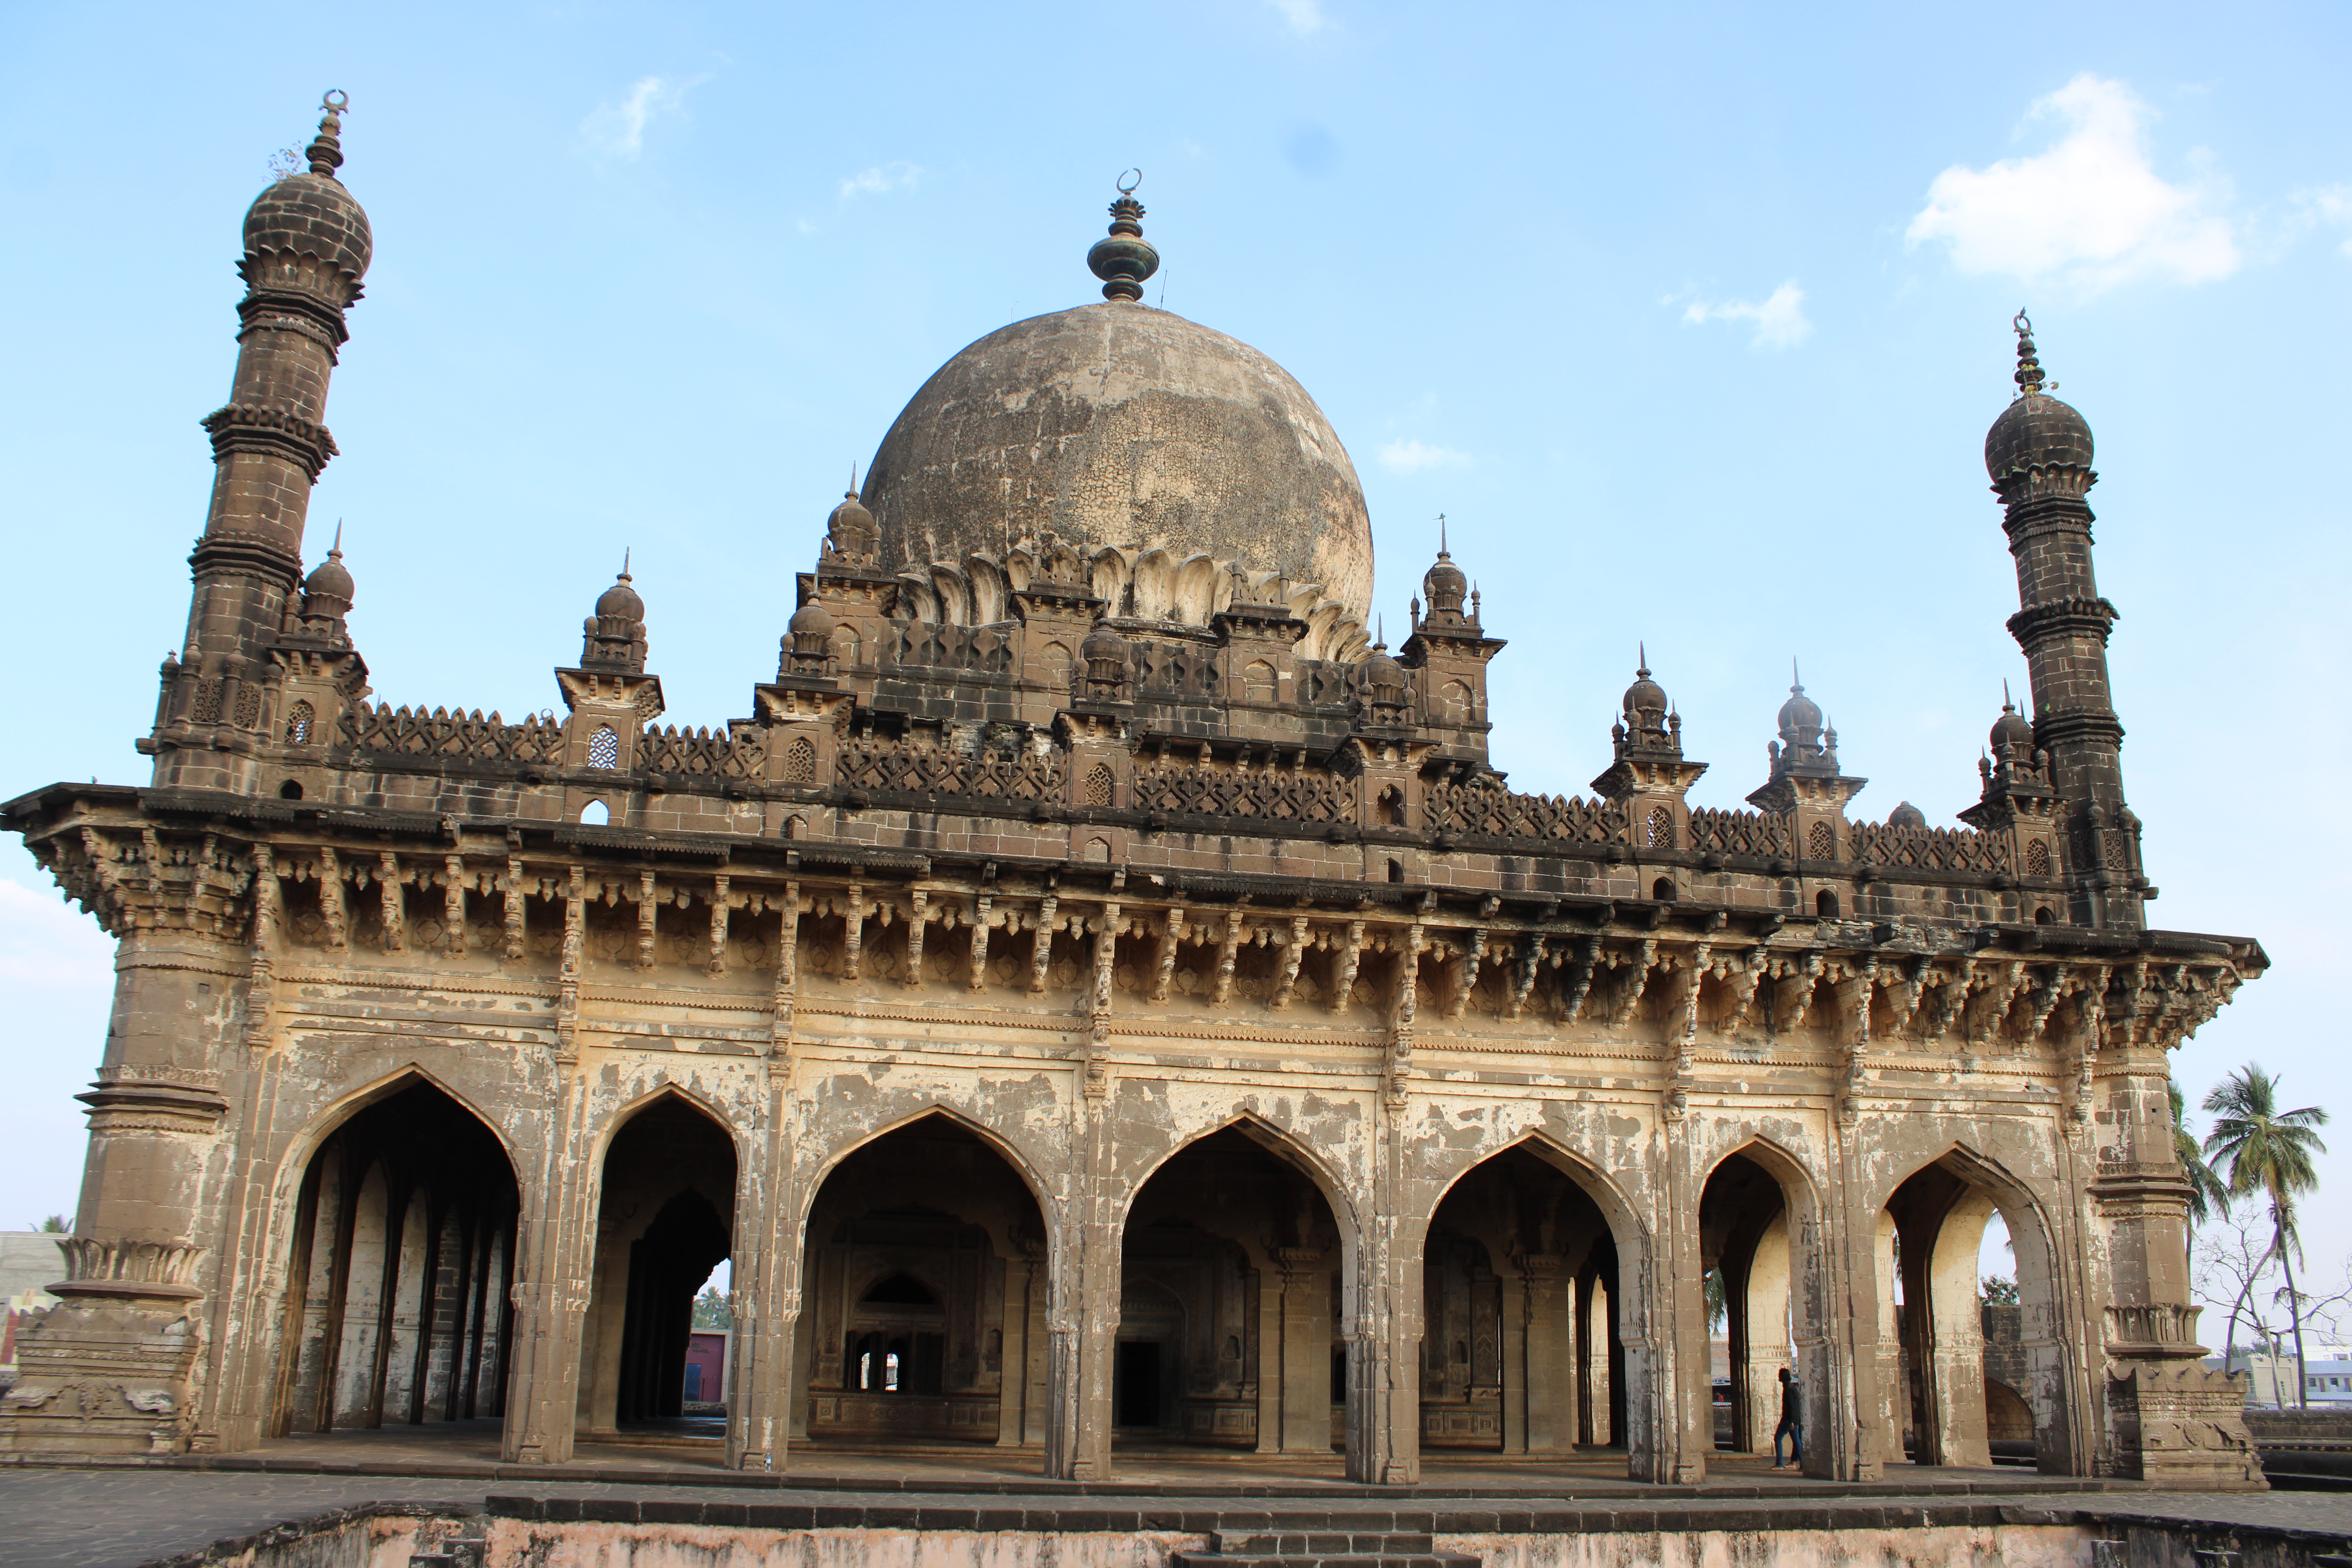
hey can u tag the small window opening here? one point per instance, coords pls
(1663, 889)
(1396, 871)
(604, 748)
(290, 790)
(596, 814)
(298, 722)
(1825, 904)
(2042, 917)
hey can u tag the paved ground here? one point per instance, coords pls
(99, 1518)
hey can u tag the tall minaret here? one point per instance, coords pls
(307, 245)
(2039, 454)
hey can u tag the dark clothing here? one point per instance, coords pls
(1792, 1423)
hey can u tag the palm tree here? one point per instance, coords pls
(2263, 1149)
(2207, 1191)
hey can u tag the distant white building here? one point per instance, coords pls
(30, 1260)
(2326, 1376)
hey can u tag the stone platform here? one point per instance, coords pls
(383, 1499)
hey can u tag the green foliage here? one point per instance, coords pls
(2207, 1195)
(1718, 1309)
(1998, 1291)
(2262, 1149)
(711, 1310)
(54, 1226)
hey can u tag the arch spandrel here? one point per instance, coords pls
(1328, 1138)
(295, 1156)
(1030, 1145)
(1607, 1149)
(609, 1122)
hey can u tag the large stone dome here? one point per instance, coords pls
(1119, 425)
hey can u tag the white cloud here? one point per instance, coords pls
(1412, 456)
(2331, 206)
(618, 130)
(2090, 211)
(1304, 17)
(1780, 320)
(879, 180)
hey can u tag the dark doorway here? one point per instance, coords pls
(924, 1297)
(1135, 1384)
(665, 1222)
(397, 1295)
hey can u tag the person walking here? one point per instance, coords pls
(1793, 1422)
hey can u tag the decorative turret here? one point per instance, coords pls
(1383, 691)
(307, 247)
(613, 638)
(1452, 650)
(1805, 783)
(1649, 776)
(2017, 797)
(1106, 654)
(328, 595)
(850, 532)
(1124, 259)
(2038, 454)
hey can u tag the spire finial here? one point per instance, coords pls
(1641, 659)
(852, 491)
(1441, 554)
(2028, 367)
(326, 153)
(1380, 635)
(624, 564)
(1796, 681)
(1124, 259)
(335, 551)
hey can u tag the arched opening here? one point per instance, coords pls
(664, 1223)
(1521, 1342)
(398, 1290)
(1937, 1394)
(1230, 1303)
(596, 814)
(2042, 915)
(290, 790)
(923, 1291)
(1663, 889)
(1825, 904)
(1396, 871)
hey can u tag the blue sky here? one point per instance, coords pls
(1691, 319)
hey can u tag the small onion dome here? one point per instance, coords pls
(310, 213)
(811, 619)
(2012, 729)
(620, 602)
(1800, 712)
(852, 528)
(1444, 586)
(329, 589)
(1646, 696)
(1905, 814)
(1382, 673)
(1105, 653)
(2036, 431)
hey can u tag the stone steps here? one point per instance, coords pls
(1324, 1549)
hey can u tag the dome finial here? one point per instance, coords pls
(335, 551)
(326, 153)
(1125, 259)
(1642, 659)
(1441, 554)
(2029, 367)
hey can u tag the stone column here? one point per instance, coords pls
(1550, 1377)
(1685, 1384)
(1012, 1360)
(1515, 1362)
(767, 1295)
(110, 1370)
(1764, 1344)
(556, 1237)
(1269, 1356)
(1305, 1351)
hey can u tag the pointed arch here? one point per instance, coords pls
(630, 1110)
(1283, 1146)
(1627, 1224)
(330, 1118)
(808, 1186)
